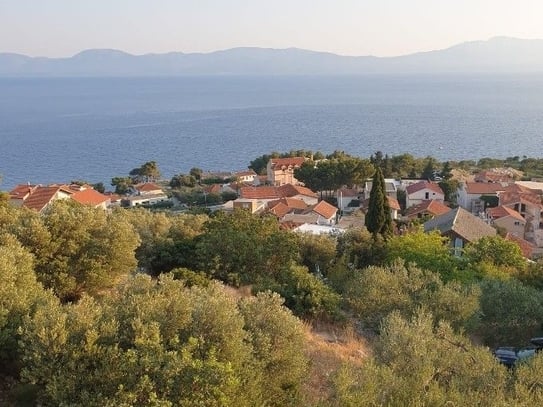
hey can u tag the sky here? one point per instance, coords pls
(61, 28)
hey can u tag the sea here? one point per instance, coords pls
(56, 130)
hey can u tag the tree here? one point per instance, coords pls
(418, 363)
(429, 169)
(496, 250)
(511, 312)
(378, 218)
(375, 292)
(122, 184)
(79, 248)
(196, 173)
(150, 344)
(243, 247)
(430, 251)
(20, 293)
(147, 172)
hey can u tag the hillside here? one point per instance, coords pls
(496, 55)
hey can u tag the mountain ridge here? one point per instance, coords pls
(497, 55)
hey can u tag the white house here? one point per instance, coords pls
(423, 191)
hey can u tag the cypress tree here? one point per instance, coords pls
(378, 219)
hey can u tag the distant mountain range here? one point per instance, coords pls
(497, 55)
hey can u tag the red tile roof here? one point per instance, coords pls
(324, 209)
(90, 197)
(21, 191)
(280, 209)
(286, 162)
(289, 190)
(264, 192)
(41, 197)
(148, 187)
(502, 211)
(292, 203)
(419, 186)
(268, 192)
(483, 188)
(431, 207)
(393, 203)
(526, 247)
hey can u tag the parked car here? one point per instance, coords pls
(510, 356)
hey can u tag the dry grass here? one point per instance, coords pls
(328, 348)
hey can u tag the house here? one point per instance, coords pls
(507, 218)
(423, 191)
(471, 195)
(461, 227)
(528, 203)
(251, 205)
(281, 207)
(92, 198)
(429, 208)
(346, 196)
(247, 176)
(391, 188)
(281, 170)
(37, 197)
(325, 211)
(148, 188)
(272, 193)
(392, 203)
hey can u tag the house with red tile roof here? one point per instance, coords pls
(496, 175)
(426, 209)
(325, 211)
(148, 188)
(423, 191)
(469, 195)
(281, 170)
(18, 194)
(528, 203)
(508, 219)
(246, 176)
(37, 197)
(271, 193)
(91, 197)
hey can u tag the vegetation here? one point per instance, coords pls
(378, 218)
(124, 308)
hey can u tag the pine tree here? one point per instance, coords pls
(378, 219)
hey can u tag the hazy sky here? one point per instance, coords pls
(350, 27)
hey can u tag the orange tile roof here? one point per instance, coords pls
(419, 186)
(432, 207)
(213, 189)
(286, 162)
(280, 209)
(148, 187)
(493, 176)
(393, 203)
(324, 209)
(41, 197)
(289, 190)
(526, 247)
(292, 203)
(90, 197)
(269, 192)
(21, 191)
(264, 192)
(502, 211)
(483, 188)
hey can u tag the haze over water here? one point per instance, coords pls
(57, 130)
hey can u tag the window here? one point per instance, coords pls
(427, 195)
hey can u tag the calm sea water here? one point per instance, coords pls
(56, 130)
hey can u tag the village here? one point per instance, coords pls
(486, 203)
